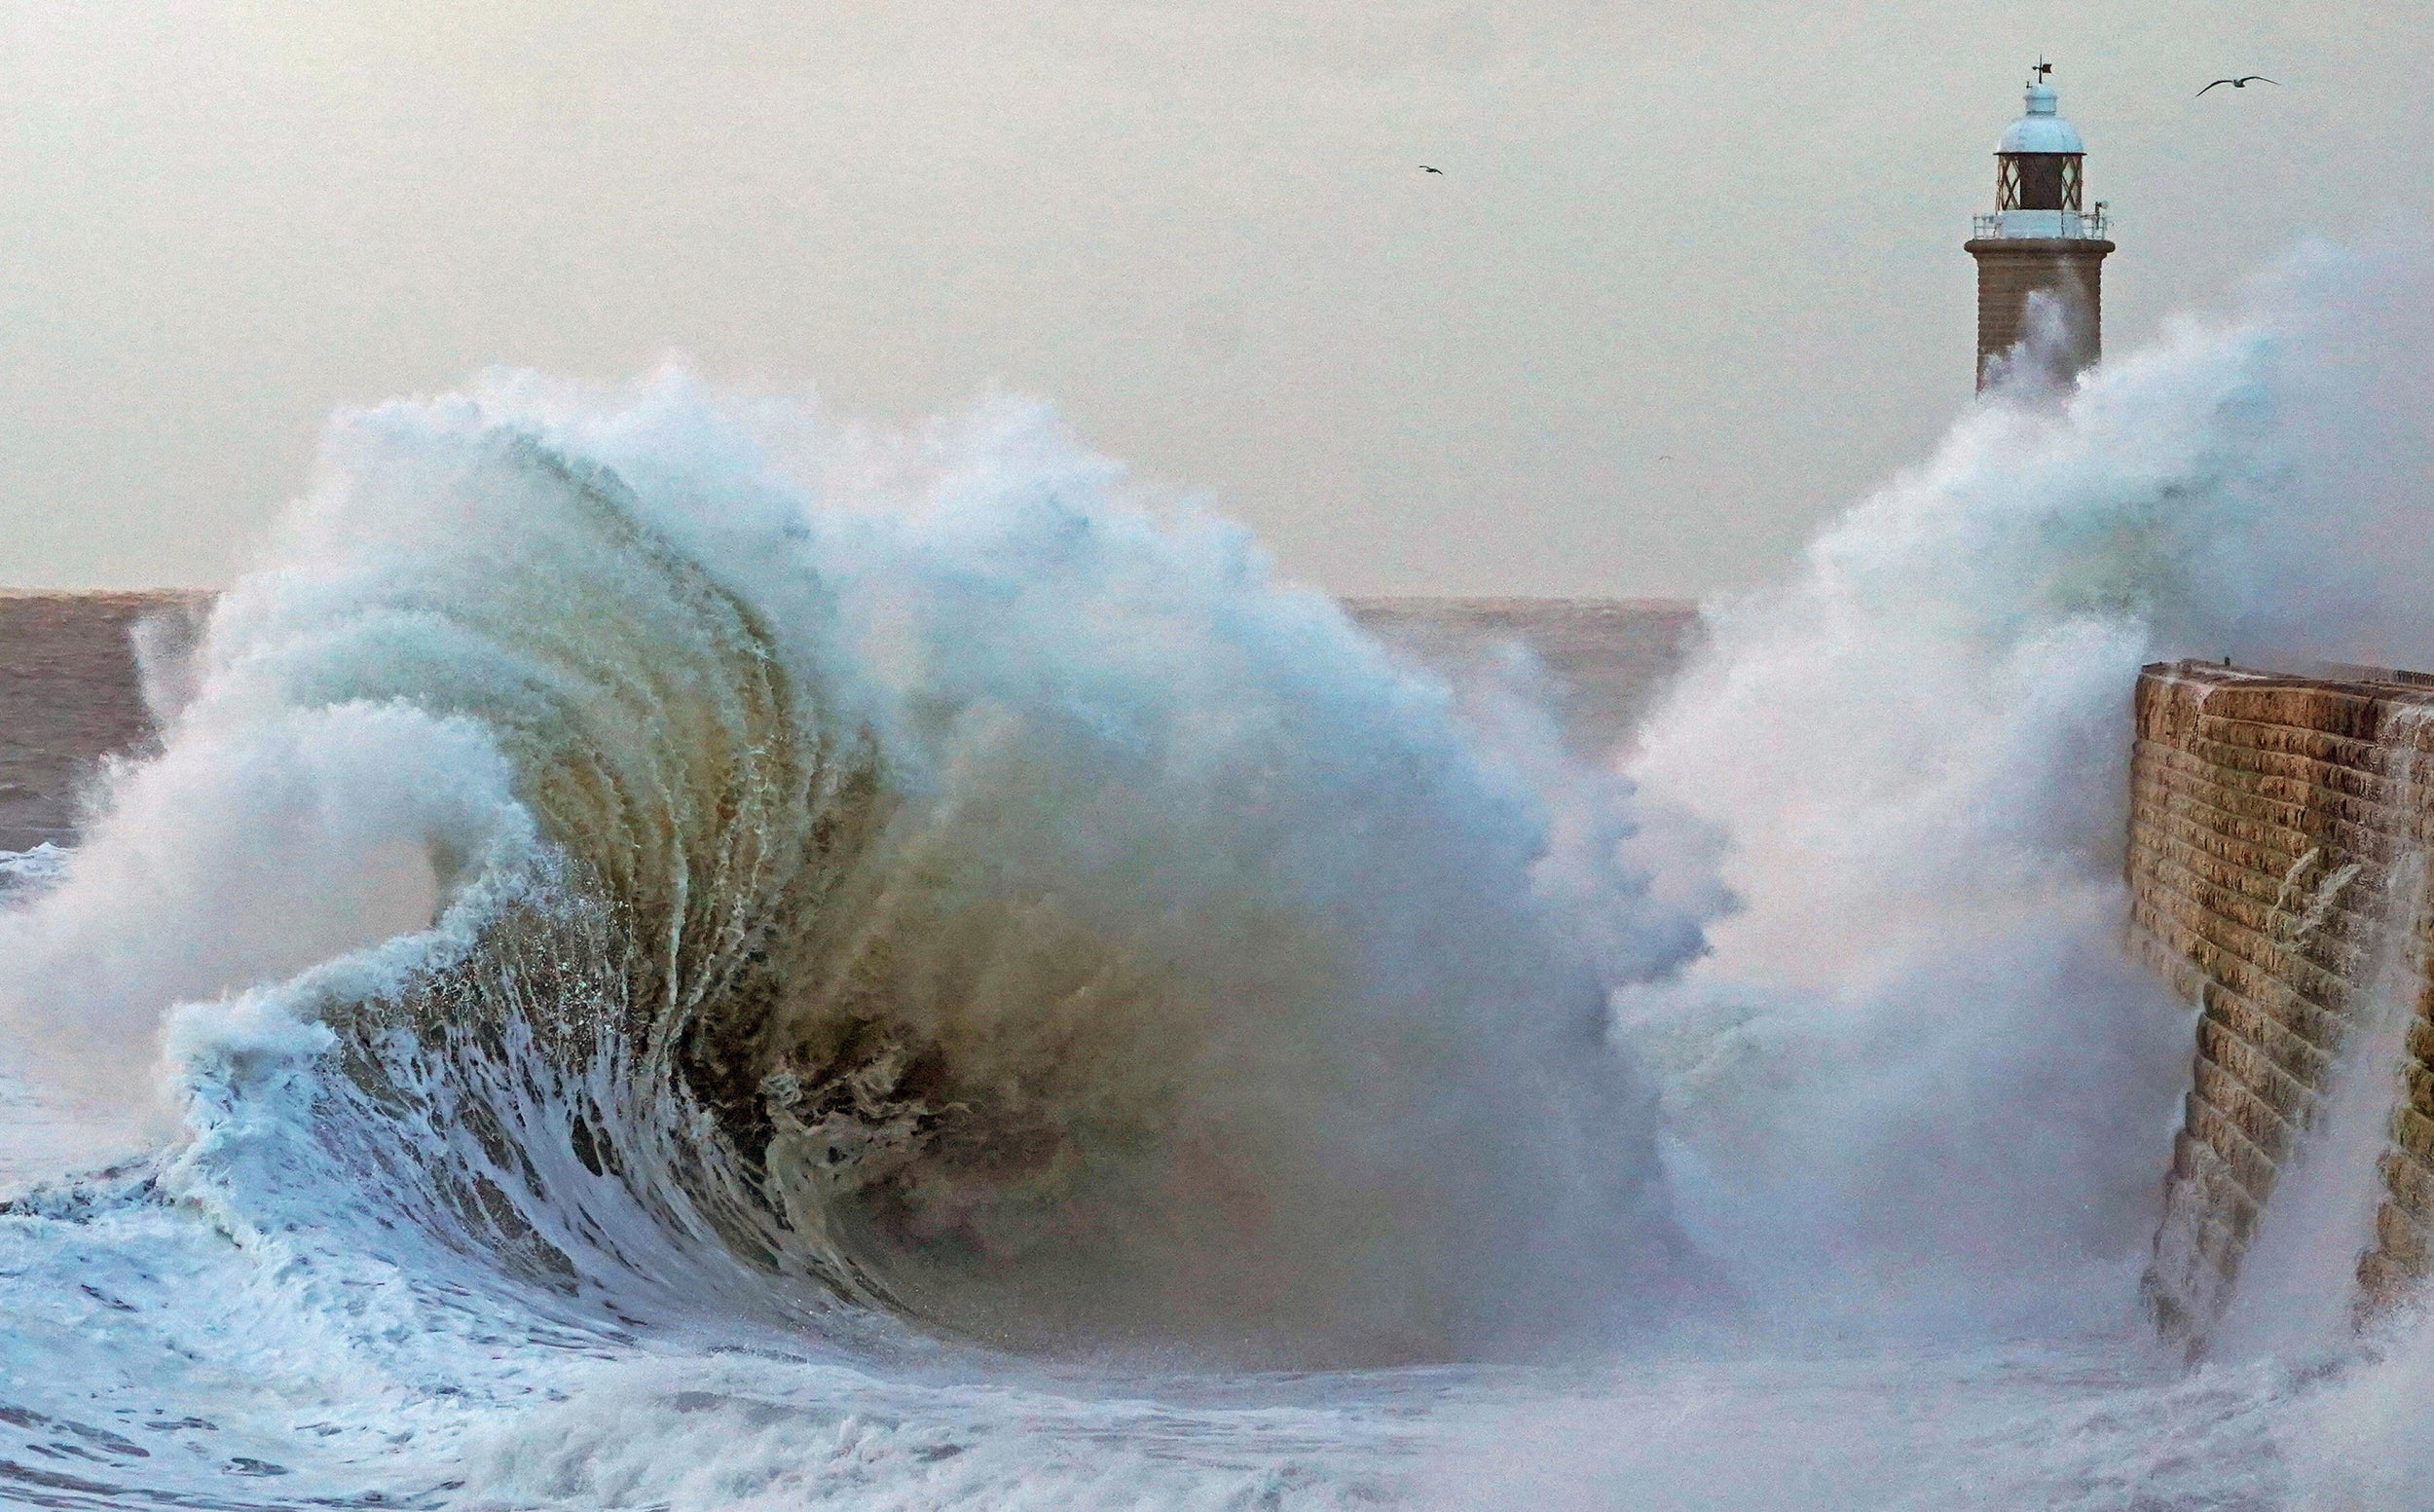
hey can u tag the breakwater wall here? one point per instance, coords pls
(2279, 835)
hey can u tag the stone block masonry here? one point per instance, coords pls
(2012, 272)
(2277, 845)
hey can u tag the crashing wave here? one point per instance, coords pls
(928, 885)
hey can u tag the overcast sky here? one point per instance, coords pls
(1725, 234)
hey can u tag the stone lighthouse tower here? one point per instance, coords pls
(2040, 254)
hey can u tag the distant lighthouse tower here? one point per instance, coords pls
(2042, 241)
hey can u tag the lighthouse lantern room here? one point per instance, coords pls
(2040, 254)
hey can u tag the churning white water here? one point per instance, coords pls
(680, 953)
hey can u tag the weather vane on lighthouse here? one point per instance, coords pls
(2040, 254)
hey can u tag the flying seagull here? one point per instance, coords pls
(1425, 169)
(2242, 82)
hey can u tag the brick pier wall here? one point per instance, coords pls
(2278, 846)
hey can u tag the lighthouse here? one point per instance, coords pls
(2040, 254)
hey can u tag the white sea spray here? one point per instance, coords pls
(607, 813)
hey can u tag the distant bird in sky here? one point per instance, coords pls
(2241, 83)
(1425, 169)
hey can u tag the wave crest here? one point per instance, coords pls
(915, 873)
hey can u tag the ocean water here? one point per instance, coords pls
(676, 951)
(1597, 665)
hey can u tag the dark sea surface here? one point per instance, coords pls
(1605, 661)
(70, 693)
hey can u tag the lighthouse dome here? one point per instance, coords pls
(2040, 129)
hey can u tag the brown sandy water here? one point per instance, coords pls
(72, 695)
